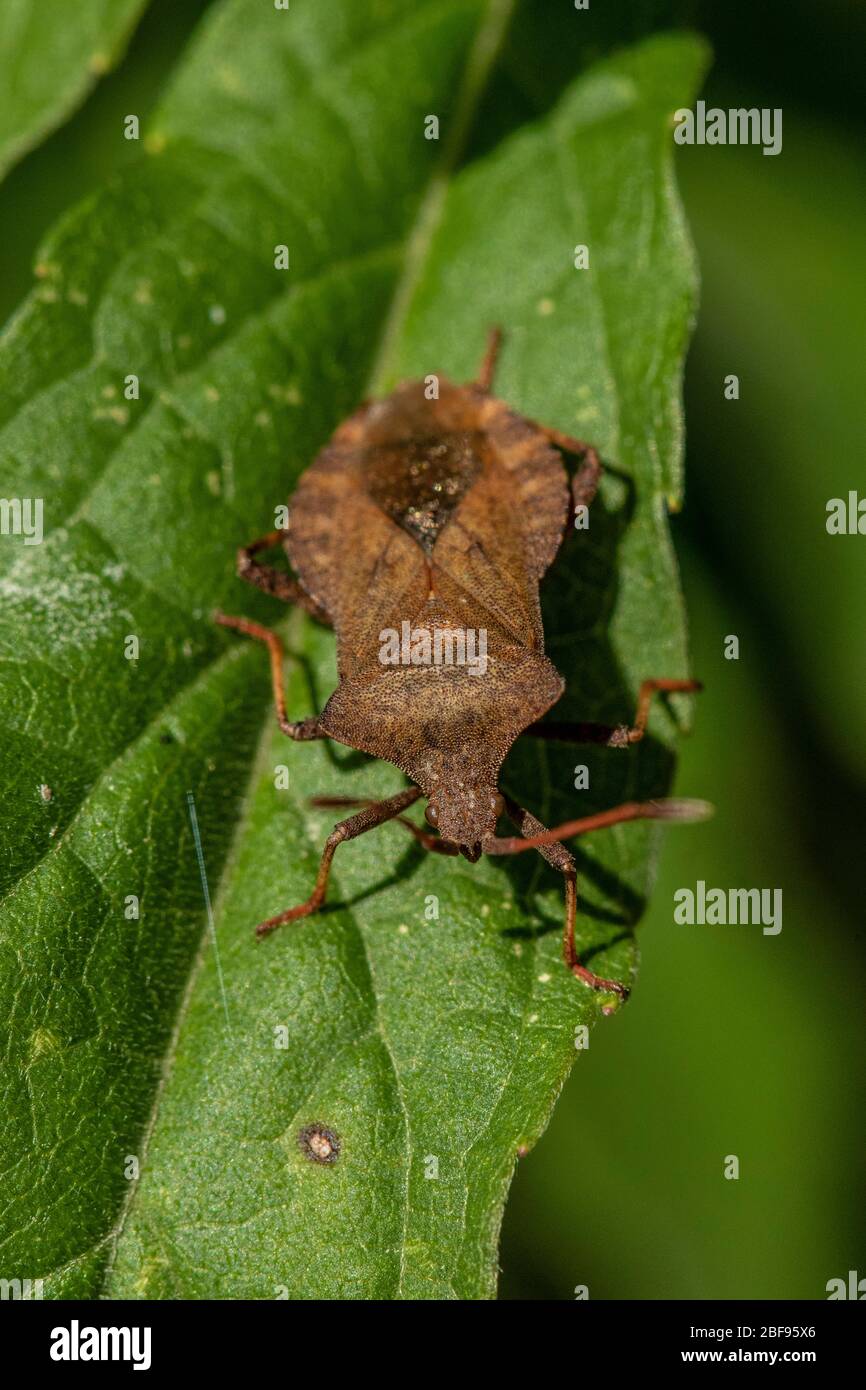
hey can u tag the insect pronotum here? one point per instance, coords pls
(425, 519)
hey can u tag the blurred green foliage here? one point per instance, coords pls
(83, 153)
(51, 63)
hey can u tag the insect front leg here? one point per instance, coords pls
(536, 836)
(615, 735)
(427, 841)
(303, 729)
(560, 858)
(375, 814)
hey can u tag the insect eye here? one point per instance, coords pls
(431, 815)
(497, 805)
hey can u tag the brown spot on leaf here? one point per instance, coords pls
(319, 1144)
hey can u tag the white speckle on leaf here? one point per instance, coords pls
(289, 394)
(72, 608)
(119, 414)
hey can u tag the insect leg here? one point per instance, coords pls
(558, 856)
(618, 735)
(584, 484)
(645, 694)
(431, 842)
(487, 370)
(302, 729)
(375, 814)
(274, 581)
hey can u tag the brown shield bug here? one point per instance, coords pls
(423, 525)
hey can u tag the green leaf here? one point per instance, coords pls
(50, 57)
(428, 1046)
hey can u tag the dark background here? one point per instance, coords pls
(734, 1042)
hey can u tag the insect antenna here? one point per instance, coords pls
(668, 808)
